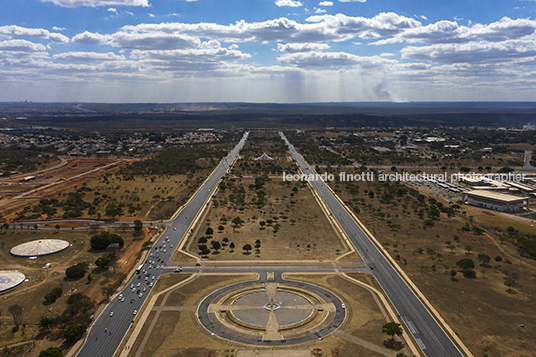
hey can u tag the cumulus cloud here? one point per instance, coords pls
(154, 41)
(290, 3)
(382, 25)
(473, 52)
(451, 32)
(55, 28)
(325, 3)
(96, 3)
(88, 56)
(320, 11)
(10, 31)
(301, 47)
(113, 9)
(331, 59)
(21, 46)
(90, 38)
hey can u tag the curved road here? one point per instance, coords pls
(429, 335)
(108, 331)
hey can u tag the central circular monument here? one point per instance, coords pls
(38, 248)
(271, 313)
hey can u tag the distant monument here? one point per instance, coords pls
(264, 157)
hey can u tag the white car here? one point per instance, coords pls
(122, 299)
(174, 228)
(111, 314)
(135, 312)
(120, 296)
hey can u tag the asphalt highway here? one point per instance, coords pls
(429, 335)
(109, 329)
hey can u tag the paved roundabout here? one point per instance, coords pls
(271, 313)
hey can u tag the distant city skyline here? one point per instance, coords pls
(267, 50)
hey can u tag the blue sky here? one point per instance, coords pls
(267, 50)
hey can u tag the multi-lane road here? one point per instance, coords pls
(109, 329)
(425, 329)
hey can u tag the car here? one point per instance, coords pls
(138, 291)
(152, 278)
(164, 250)
(144, 289)
(371, 267)
(131, 286)
(120, 296)
(151, 285)
(138, 284)
(343, 306)
(197, 264)
(171, 245)
(174, 228)
(139, 276)
(111, 314)
(122, 299)
(146, 278)
(131, 301)
(177, 270)
(141, 294)
(135, 312)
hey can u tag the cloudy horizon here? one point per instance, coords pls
(267, 51)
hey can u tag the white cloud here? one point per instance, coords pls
(151, 15)
(113, 9)
(55, 28)
(96, 3)
(320, 11)
(451, 32)
(153, 41)
(381, 25)
(326, 3)
(88, 56)
(353, 0)
(21, 46)
(423, 17)
(473, 52)
(234, 46)
(89, 38)
(301, 47)
(290, 3)
(331, 59)
(129, 13)
(8, 32)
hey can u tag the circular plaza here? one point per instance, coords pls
(271, 313)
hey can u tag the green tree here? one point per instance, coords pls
(54, 294)
(247, 248)
(76, 271)
(237, 222)
(509, 282)
(73, 332)
(221, 228)
(103, 262)
(484, 259)
(453, 273)
(465, 264)
(216, 245)
(202, 240)
(57, 226)
(209, 231)
(51, 352)
(392, 329)
(112, 210)
(262, 224)
(79, 303)
(232, 246)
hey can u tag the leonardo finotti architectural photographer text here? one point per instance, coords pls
(403, 177)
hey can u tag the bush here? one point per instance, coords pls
(51, 352)
(54, 294)
(105, 239)
(469, 273)
(465, 264)
(76, 271)
(73, 332)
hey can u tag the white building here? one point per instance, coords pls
(496, 201)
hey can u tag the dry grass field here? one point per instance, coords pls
(295, 226)
(30, 295)
(490, 317)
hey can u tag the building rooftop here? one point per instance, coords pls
(495, 196)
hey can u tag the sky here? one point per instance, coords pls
(287, 51)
